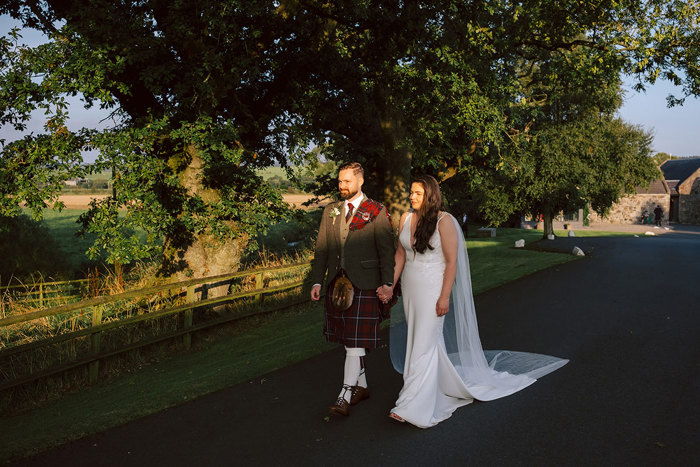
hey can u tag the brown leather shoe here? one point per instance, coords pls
(359, 394)
(341, 407)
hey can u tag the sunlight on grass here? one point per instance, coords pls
(592, 233)
(495, 261)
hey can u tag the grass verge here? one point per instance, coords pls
(268, 343)
(244, 352)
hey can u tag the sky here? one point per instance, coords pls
(675, 129)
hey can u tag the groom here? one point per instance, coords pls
(356, 243)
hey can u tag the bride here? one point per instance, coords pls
(434, 339)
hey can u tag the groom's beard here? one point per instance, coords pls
(346, 194)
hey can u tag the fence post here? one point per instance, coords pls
(259, 285)
(95, 344)
(187, 338)
(41, 295)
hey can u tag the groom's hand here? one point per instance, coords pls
(315, 292)
(385, 293)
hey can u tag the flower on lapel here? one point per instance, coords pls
(334, 213)
(365, 216)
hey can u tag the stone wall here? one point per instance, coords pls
(689, 201)
(628, 210)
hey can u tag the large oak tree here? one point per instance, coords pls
(205, 92)
(194, 88)
(452, 87)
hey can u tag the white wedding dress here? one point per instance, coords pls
(443, 364)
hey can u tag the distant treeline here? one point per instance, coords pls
(277, 177)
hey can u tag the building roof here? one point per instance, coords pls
(680, 169)
(672, 186)
(657, 187)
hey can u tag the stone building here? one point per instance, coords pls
(630, 208)
(683, 179)
(677, 191)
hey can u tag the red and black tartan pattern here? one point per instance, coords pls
(358, 326)
(366, 213)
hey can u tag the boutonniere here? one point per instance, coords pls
(365, 216)
(334, 213)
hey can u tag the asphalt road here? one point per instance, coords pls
(627, 316)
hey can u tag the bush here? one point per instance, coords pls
(294, 234)
(279, 182)
(100, 184)
(27, 248)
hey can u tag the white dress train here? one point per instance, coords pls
(443, 364)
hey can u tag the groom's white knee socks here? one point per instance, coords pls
(354, 370)
(362, 379)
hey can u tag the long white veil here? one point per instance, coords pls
(487, 375)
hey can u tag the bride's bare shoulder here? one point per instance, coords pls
(445, 226)
(402, 220)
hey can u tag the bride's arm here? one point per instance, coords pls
(399, 261)
(400, 255)
(385, 292)
(449, 239)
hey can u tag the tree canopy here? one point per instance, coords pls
(466, 83)
(194, 88)
(204, 93)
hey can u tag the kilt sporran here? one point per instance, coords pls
(342, 292)
(358, 324)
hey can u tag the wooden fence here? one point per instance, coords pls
(43, 294)
(195, 297)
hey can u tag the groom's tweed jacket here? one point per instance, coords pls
(368, 250)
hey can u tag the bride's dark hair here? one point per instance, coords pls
(432, 204)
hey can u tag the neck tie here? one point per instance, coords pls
(348, 216)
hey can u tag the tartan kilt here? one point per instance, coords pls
(358, 326)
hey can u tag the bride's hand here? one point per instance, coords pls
(385, 293)
(442, 306)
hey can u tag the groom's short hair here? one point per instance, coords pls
(354, 166)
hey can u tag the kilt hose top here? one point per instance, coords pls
(367, 258)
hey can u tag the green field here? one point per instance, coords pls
(64, 228)
(269, 172)
(106, 174)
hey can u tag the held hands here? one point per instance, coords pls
(385, 293)
(315, 292)
(442, 306)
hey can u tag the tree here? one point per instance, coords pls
(206, 92)
(572, 152)
(661, 157)
(593, 161)
(194, 88)
(456, 89)
(398, 102)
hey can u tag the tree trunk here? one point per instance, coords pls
(396, 164)
(548, 223)
(396, 183)
(206, 254)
